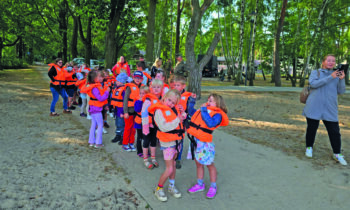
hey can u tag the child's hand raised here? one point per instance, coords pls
(193, 95)
(204, 105)
(108, 89)
(183, 116)
(180, 107)
(126, 115)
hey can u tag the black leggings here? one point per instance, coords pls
(139, 140)
(150, 139)
(333, 133)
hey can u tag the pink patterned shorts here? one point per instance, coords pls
(170, 152)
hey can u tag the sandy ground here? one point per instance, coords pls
(45, 162)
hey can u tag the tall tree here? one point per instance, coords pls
(150, 29)
(276, 57)
(195, 68)
(63, 28)
(116, 9)
(87, 40)
(178, 19)
(252, 60)
(74, 42)
(241, 37)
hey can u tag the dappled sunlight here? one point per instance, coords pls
(60, 138)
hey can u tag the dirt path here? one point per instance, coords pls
(46, 163)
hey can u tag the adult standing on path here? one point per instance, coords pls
(322, 104)
(121, 64)
(156, 66)
(57, 86)
(180, 66)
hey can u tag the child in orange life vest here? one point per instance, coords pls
(138, 122)
(106, 82)
(146, 74)
(186, 104)
(170, 130)
(117, 103)
(132, 93)
(148, 129)
(160, 74)
(98, 98)
(210, 116)
(80, 84)
(75, 70)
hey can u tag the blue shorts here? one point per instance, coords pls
(70, 92)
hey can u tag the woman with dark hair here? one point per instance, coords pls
(57, 86)
(322, 104)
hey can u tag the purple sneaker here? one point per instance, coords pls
(211, 192)
(196, 188)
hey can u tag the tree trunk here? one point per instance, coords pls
(86, 40)
(1, 47)
(117, 8)
(164, 21)
(63, 29)
(178, 19)
(230, 61)
(241, 37)
(276, 60)
(191, 64)
(252, 63)
(222, 43)
(171, 31)
(74, 43)
(150, 29)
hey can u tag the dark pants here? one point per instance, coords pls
(150, 139)
(139, 141)
(333, 133)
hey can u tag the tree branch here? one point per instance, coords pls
(9, 45)
(210, 51)
(42, 17)
(205, 6)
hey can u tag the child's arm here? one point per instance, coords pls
(145, 117)
(191, 102)
(96, 93)
(162, 124)
(125, 100)
(210, 121)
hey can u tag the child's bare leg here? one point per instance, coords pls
(169, 168)
(172, 175)
(212, 172)
(200, 170)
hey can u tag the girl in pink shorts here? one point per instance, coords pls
(170, 131)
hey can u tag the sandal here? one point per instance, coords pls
(67, 111)
(54, 114)
(155, 163)
(148, 165)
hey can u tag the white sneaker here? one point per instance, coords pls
(340, 158)
(160, 194)
(174, 191)
(104, 131)
(308, 152)
(88, 117)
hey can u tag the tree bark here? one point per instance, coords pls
(86, 40)
(74, 43)
(241, 37)
(252, 63)
(63, 29)
(276, 60)
(117, 7)
(164, 21)
(150, 29)
(178, 19)
(195, 73)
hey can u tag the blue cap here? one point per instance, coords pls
(138, 74)
(122, 77)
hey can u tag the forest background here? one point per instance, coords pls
(288, 36)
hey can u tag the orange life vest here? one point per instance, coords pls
(169, 115)
(69, 77)
(60, 78)
(134, 94)
(118, 67)
(117, 97)
(149, 78)
(199, 129)
(153, 99)
(80, 83)
(137, 118)
(93, 100)
(184, 100)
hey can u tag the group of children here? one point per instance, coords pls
(159, 114)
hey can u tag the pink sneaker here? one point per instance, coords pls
(196, 188)
(211, 192)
